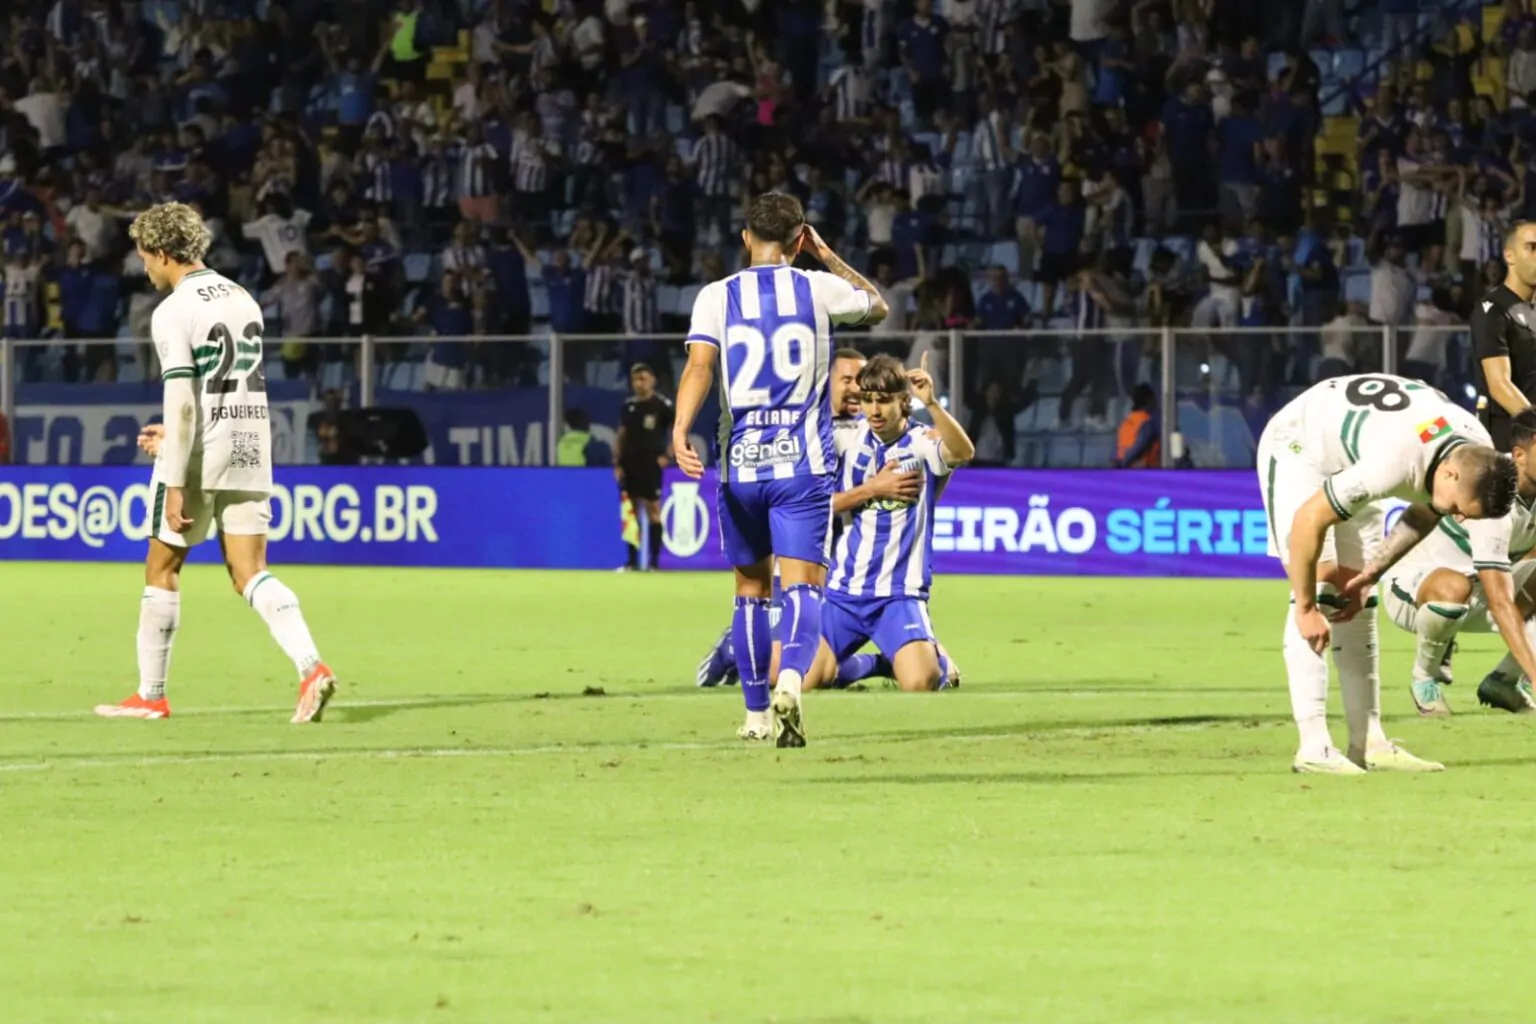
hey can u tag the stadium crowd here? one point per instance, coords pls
(512, 167)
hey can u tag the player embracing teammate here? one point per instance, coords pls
(769, 327)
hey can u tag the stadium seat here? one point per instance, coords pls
(1064, 450)
(1349, 64)
(1006, 254)
(1357, 286)
(667, 300)
(1098, 449)
(418, 266)
(1047, 410)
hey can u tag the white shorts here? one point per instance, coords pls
(1401, 590)
(1288, 478)
(236, 513)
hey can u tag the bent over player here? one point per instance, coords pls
(878, 588)
(770, 328)
(214, 461)
(1475, 578)
(1324, 461)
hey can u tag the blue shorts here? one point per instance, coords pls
(791, 518)
(848, 623)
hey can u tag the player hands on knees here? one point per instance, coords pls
(1325, 463)
(213, 459)
(1475, 577)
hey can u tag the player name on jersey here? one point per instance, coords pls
(209, 329)
(773, 326)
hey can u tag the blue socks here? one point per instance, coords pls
(753, 643)
(799, 630)
(943, 672)
(858, 667)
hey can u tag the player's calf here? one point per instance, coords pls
(1442, 604)
(278, 606)
(858, 667)
(825, 670)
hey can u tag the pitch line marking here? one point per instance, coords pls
(473, 699)
(437, 753)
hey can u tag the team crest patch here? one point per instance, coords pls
(1432, 429)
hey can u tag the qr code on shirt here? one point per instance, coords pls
(245, 449)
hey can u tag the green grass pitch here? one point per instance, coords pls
(1100, 826)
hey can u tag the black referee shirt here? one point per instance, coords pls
(1503, 325)
(647, 424)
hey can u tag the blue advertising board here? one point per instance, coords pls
(1063, 522)
(1098, 523)
(402, 516)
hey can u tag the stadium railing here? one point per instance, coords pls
(488, 400)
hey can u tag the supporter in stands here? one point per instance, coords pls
(929, 130)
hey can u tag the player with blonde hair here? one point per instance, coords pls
(213, 466)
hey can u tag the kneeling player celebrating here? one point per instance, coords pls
(1324, 461)
(213, 459)
(1461, 580)
(877, 589)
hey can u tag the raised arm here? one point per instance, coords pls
(878, 310)
(955, 444)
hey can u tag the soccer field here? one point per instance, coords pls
(520, 809)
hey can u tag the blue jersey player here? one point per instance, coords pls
(878, 588)
(770, 329)
(719, 665)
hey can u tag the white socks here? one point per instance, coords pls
(1354, 655)
(279, 608)
(159, 616)
(1508, 667)
(1307, 674)
(1435, 623)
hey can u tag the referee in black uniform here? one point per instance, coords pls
(1503, 341)
(640, 454)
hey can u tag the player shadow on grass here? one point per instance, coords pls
(362, 714)
(1078, 726)
(992, 778)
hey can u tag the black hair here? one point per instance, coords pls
(776, 218)
(1522, 428)
(848, 353)
(1494, 478)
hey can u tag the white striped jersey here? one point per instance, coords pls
(1374, 436)
(773, 327)
(640, 316)
(886, 547)
(21, 285)
(1477, 544)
